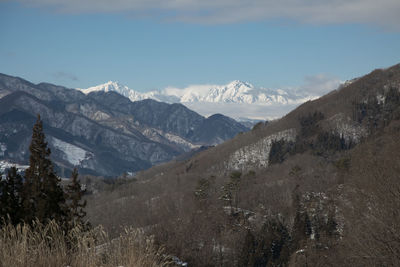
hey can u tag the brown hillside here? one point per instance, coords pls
(318, 187)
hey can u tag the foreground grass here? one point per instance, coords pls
(47, 245)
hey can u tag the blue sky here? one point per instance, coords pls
(81, 45)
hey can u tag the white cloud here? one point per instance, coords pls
(319, 84)
(200, 89)
(240, 110)
(383, 12)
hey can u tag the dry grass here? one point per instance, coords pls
(47, 245)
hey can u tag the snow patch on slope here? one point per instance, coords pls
(257, 154)
(4, 165)
(347, 128)
(179, 141)
(160, 136)
(72, 153)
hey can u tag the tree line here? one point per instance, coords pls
(37, 195)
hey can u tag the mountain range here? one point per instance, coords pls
(102, 133)
(233, 92)
(209, 99)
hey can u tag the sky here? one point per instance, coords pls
(154, 44)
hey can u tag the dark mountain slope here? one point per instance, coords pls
(217, 128)
(75, 139)
(173, 118)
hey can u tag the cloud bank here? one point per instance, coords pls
(384, 13)
(319, 84)
(240, 111)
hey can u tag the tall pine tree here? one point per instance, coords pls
(11, 197)
(75, 204)
(43, 197)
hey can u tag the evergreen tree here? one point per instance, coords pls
(247, 255)
(230, 191)
(331, 224)
(302, 226)
(268, 247)
(43, 196)
(235, 185)
(302, 229)
(278, 151)
(75, 204)
(10, 198)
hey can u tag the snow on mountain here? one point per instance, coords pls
(225, 99)
(234, 92)
(257, 154)
(71, 153)
(111, 86)
(5, 165)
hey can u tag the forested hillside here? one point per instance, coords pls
(318, 187)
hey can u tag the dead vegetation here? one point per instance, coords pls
(47, 245)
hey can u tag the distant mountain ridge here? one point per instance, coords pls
(102, 133)
(233, 92)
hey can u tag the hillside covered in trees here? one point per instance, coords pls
(318, 187)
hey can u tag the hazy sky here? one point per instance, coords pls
(150, 44)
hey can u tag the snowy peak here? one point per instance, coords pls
(233, 92)
(111, 86)
(239, 85)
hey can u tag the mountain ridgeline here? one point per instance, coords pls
(102, 133)
(233, 92)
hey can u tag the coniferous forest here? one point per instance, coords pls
(37, 196)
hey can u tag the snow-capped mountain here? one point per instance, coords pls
(111, 86)
(235, 99)
(233, 92)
